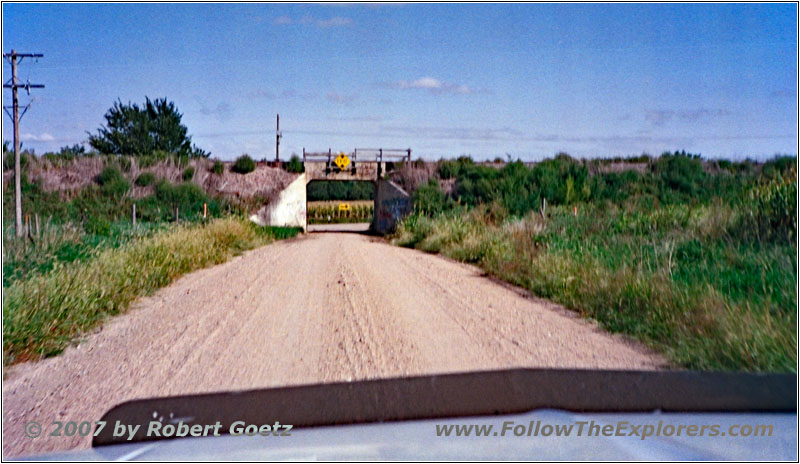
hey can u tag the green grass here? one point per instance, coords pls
(59, 244)
(680, 277)
(44, 313)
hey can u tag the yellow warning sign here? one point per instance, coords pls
(344, 206)
(342, 161)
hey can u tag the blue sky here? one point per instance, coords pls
(445, 80)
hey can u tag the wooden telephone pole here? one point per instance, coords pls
(278, 140)
(14, 58)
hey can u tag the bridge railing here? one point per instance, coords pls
(363, 155)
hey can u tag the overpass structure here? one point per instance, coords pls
(362, 164)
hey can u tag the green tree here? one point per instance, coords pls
(294, 165)
(141, 130)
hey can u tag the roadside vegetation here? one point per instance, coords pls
(45, 312)
(697, 259)
(320, 190)
(82, 257)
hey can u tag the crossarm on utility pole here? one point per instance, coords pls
(14, 58)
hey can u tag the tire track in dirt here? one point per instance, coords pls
(319, 308)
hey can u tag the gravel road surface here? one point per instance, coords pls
(319, 308)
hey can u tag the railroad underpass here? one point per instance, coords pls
(391, 202)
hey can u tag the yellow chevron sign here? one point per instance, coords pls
(344, 206)
(342, 161)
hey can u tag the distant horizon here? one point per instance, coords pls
(446, 80)
(487, 159)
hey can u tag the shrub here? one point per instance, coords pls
(187, 197)
(430, 199)
(8, 160)
(188, 173)
(294, 165)
(112, 182)
(125, 163)
(218, 168)
(97, 226)
(145, 179)
(243, 165)
(680, 173)
(770, 211)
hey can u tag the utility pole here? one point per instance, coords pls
(14, 58)
(278, 140)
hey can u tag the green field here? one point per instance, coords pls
(328, 212)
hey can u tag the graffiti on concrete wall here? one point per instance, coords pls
(394, 208)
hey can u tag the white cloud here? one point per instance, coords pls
(357, 119)
(287, 94)
(422, 83)
(43, 137)
(336, 21)
(222, 111)
(659, 117)
(433, 85)
(341, 98)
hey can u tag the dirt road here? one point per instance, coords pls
(320, 308)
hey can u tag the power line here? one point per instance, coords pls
(14, 58)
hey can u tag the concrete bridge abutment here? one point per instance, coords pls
(289, 208)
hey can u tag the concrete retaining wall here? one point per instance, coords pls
(392, 203)
(289, 210)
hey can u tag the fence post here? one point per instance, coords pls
(133, 214)
(205, 210)
(176, 214)
(36, 221)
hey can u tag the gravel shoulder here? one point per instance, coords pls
(320, 308)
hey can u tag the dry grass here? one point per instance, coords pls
(43, 314)
(69, 177)
(670, 277)
(412, 175)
